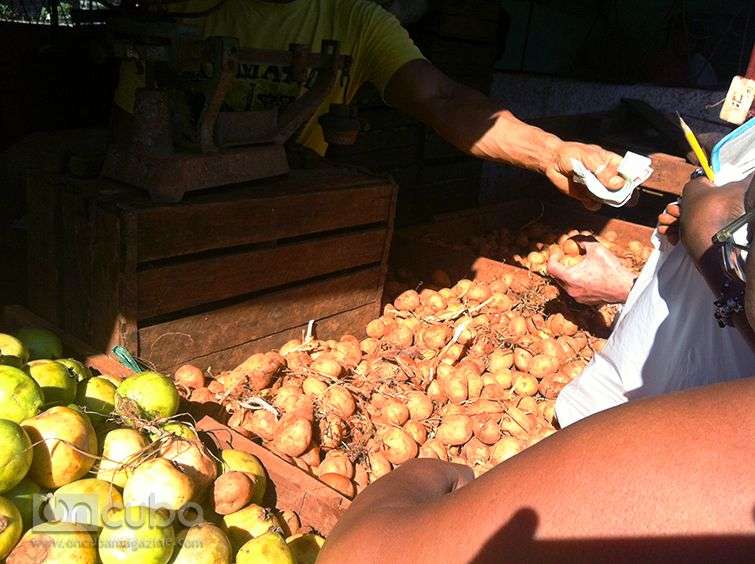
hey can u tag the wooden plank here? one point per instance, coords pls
(670, 174)
(78, 235)
(351, 322)
(170, 288)
(270, 313)
(406, 177)
(16, 317)
(112, 293)
(190, 227)
(317, 504)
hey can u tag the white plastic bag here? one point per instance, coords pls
(665, 339)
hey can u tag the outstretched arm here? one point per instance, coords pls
(662, 479)
(478, 126)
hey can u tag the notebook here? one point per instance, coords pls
(733, 157)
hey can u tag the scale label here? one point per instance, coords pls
(738, 100)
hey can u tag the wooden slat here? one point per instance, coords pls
(317, 505)
(78, 235)
(352, 322)
(175, 287)
(670, 174)
(202, 334)
(194, 226)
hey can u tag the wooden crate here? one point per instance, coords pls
(218, 276)
(317, 504)
(425, 248)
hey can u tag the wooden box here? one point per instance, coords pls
(422, 249)
(317, 504)
(214, 278)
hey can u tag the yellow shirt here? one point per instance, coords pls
(376, 41)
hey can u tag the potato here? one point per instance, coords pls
(398, 446)
(336, 462)
(395, 412)
(339, 483)
(454, 430)
(505, 449)
(293, 435)
(407, 301)
(379, 465)
(434, 449)
(416, 431)
(232, 491)
(339, 400)
(420, 406)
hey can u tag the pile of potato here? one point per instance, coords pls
(468, 374)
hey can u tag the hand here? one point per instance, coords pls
(599, 278)
(667, 222)
(604, 164)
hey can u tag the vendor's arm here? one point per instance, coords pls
(657, 480)
(478, 126)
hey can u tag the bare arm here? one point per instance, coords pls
(661, 479)
(705, 209)
(476, 125)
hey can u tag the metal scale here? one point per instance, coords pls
(179, 139)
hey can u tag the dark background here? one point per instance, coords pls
(49, 80)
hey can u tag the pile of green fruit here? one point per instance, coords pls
(98, 469)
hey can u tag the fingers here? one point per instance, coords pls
(588, 244)
(558, 179)
(674, 210)
(605, 165)
(555, 268)
(666, 219)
